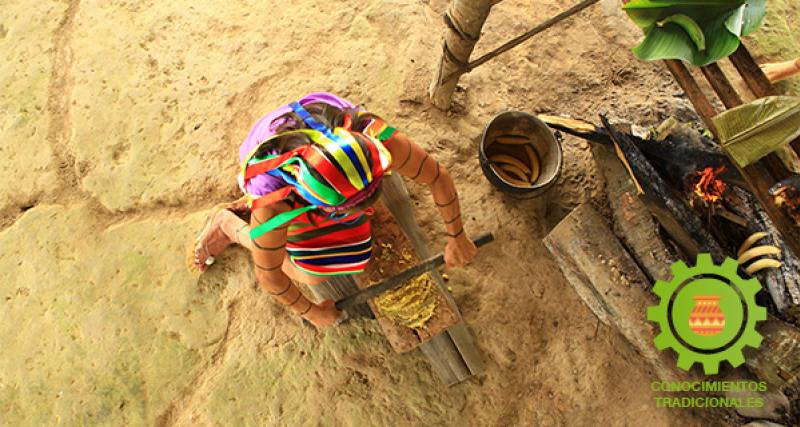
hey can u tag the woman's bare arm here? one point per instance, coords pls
(411, 160)
(269, 256)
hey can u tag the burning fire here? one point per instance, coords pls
(708, 186)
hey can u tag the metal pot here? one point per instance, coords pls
(544, 142)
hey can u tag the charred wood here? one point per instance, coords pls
(681, 223)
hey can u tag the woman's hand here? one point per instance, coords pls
(459, 251)
(323, 315)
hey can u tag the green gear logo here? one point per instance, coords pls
(707, 314)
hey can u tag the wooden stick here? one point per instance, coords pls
(519, 40)
(692, 91)
(721, 85)
(755, 79)
(401, 278)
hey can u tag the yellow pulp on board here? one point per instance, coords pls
(412, 304)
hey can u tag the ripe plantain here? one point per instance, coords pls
(534, 161)
(517, 172)
(762, 264)
(757, 252)
(509, 160)
(508, 178)
(750, 242)
(512, 139)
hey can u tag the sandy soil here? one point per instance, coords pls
(119, 128)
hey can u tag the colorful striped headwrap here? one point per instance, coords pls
(335, 155)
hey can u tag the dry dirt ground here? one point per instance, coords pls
(119, 127)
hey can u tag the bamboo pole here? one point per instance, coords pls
(464, 19)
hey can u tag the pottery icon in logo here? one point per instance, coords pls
(706, 318)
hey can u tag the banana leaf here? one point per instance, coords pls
(751, 131)
(696, 31)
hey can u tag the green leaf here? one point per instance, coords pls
(689, 25)
(702, 31)
(669, 42)
(753, 15)
(647, 4)
(751, 131)
(645, 13)
(735, 22)
(720, 42)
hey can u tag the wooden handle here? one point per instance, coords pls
(400, 278)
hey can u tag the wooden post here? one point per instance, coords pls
(464, 20)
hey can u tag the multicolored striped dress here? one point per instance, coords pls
(318, 244)
(323, 246)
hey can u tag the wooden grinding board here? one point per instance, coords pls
(386, 230)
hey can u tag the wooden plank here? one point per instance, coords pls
(391, 254)
(395, 196)
(724, 89)
(451, 369)
(462, 339)
(692, 90)
(608, 280)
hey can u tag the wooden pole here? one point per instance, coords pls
(464, 19)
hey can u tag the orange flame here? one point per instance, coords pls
(708, 186)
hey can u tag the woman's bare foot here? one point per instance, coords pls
(213, 240)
